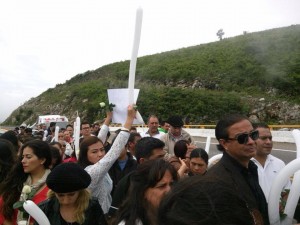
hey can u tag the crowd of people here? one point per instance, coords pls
(128, 178)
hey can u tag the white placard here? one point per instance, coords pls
(119, 97)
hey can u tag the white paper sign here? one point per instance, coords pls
(119, 97)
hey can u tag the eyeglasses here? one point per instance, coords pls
(244, 138)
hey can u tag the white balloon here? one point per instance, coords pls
(296, 135)
(77, 136)
(276, 189)
(293, 196)
(135, 49)
(212, 160)
(207, 146)
(56, 133)
(35, 212)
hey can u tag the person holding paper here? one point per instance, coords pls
(93, 159)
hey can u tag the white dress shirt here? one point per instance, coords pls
(267, 174)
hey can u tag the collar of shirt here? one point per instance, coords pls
(147, 132)
(173, 138)
(252, 168)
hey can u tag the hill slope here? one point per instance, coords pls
(257, 74)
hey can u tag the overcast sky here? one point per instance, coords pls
(46, 42)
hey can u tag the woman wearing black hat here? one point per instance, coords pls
(69, 201)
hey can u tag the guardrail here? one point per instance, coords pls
(204, 126)
(192, 126)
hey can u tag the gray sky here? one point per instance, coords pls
(46, 42)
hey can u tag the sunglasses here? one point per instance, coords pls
(244, 138)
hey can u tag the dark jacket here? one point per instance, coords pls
(244, 181)
(93, 214)
(116, 174)
(120, 194)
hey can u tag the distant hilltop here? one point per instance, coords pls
(257, 74)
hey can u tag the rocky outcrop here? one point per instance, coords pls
(280, 111)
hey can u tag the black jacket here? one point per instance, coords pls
(244, 181)
(93, 214)
(116, 174)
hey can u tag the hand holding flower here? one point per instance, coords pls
(26, 194)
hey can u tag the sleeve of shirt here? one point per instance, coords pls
(100, 169)
(103, 133)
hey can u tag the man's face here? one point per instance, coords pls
(131, 145)
(86, 130)
(157, 153)
(241, 152)
(153, 124)
(176, 131)
(264, 143)
(166, 127)
(70, 129)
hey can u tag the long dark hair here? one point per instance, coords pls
(8, 156)
(11, 188)
(146, 176)
(84, 146)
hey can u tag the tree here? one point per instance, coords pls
(220, 34)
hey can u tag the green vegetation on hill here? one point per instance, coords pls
(201, 83)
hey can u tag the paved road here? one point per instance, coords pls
(282, 150)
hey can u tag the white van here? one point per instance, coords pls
(61, 121)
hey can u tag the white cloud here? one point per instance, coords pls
(43, 43)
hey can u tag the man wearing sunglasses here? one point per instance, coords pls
(268, 166)
(236, 138)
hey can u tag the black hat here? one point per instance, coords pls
(175, 121)
(68, 177)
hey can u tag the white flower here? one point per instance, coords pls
(26, 189)
(102, 104)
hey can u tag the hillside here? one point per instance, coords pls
(257, 74)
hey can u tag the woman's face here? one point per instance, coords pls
(198, 166)
(95, 152)
(31, 163)
(67, 199)
(154, 194)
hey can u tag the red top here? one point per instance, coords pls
(39, 197)
(71, 159)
